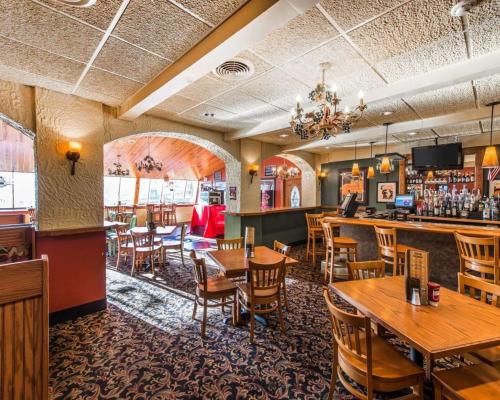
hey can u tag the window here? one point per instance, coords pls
(17, 189)
(157, 190)
(117, 189)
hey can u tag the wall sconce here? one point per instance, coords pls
(73, 154)
(254, 169)
(321, 176)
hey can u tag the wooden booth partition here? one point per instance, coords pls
(24, 330)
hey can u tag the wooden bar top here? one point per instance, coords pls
(432, 227)
(267, 212)
(459, 220)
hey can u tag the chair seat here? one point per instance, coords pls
(344, 240)
(472, 382)
(245, 290)
(388, 364)
(148, 249)
(402, 248)
(218, 284)
(171, 244)
(490, 355)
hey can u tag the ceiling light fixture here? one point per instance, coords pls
(148, 163)
(490, 159)
(387, 113)
(371, 171)
(78, 3)
(284, 135)
(209, 115)
(412, 133)
(385, 161)
(462, 8)
(355, 165)
(326, 121)
(118, 169)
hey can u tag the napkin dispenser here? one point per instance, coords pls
(416, 276)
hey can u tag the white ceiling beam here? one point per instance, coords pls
(376, 132)
(449, 75)
(246, 27)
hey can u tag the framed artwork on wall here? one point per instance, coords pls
(351, 184)
(386, 192)
(218, 176)
(269, 170)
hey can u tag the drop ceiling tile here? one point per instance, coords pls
(488, 89)
(486, 123)
(204, 89)
(40, 27)
(263, 113)
(198, 113)
(99, 97)
(401, 112)
(176, 104)
(274, 137)
(105, 83)
(236, 102)
(213, 11)
(300, 35)
(160, 27)
(129, 61)
(349, 13)
(160, 113)
(274, 85)
(484, 26)
(468, 128)
(447, 100)
(414, 136)
(99, 15)
(193, 122)
(36, 61)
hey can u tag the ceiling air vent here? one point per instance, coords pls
(236, 69)
(78, 3)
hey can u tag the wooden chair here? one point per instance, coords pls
(145, 247)
(176, 245)
(367, 359)
(366, 269)
(211, 289)
(390, 251)
(314, 231)
(285, 250)
(479, 257)
(111, 212)
(473, 382)
(337, 246)
(263, 290)
(169, 215)
(487, 293)
(24, 336)
(229, 244)
(125, 244)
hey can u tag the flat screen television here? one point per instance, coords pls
(442, 156)
(404, 201)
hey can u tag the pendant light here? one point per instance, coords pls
(385, 165)
(355, 165)
(371, 171)
(490, 159)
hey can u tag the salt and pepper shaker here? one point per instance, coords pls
(415, 297)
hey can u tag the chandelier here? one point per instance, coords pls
(284, 172)
(326, 121)
(148, 163)
(118, 169)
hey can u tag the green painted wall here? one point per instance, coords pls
(330, 186)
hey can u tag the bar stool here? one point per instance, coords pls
(314, 231)
(390, 251)
(479, 257)
(337, 246)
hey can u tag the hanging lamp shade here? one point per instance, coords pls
(385, 165)
(355, 169)
(490, 159)
(430, 175)
(370, 173)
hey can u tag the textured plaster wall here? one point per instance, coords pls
(251, 154)
(17, 102)
(66, 201)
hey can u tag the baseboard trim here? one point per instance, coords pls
(78, 311)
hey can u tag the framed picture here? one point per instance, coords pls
(232, 192)
(495, 187)
(353, 184)
(268, 170)
(218, 176)
(386, 192)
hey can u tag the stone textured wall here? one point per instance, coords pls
(66, 201)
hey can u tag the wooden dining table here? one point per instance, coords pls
(459, 324)
(233, 262)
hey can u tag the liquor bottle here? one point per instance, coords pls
(467, 178)
(455, 177)
(472, 178)
(486, 211)
(436, 207)
(454, 209)
(494, 210)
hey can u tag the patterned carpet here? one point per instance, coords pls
(146, 346)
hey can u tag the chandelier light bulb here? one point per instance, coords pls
(347, 110)
(292, 111)
(298, 99)
(334, 88)
(361, 95)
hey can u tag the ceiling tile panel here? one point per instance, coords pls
(108, 84)
(275, 138)
(274, 85)
(193, 122)
(401, 112)
(236, 102)
(32, 60)
(414, 136)
(298, 36)
(468, 128)
(484, 27)
(204, 89)
(487, 124)
(443, 101)
(99, 97)
(40, 27)
(213, 11)
(160, 27)
(129, 61)
(349, 13)
(234, 124)
(488, 89)
(176, 104)
(263, 113)
(99, 15)
(198, 113)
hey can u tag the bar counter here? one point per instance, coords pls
(433, 237)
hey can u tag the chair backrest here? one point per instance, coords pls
(199, 270)
(111, 212)
(183, 234)
(121, 233)
(143, 239)
(478, 289)
(366, 269)
(282, 248)
(352, 334)
(328, 232)
(314, 221)
(24, 316)
(480, 256)
(387, 241)
(229, 244)
(266, 279)
(123, 217)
